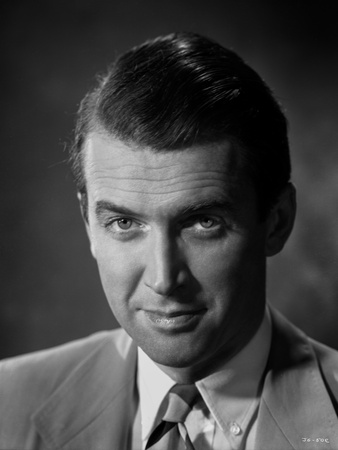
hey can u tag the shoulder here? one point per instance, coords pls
(36, 375)
(290, 339)
(292, 348)
(327, 358)
(29, 382)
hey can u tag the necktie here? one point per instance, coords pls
(171, 433)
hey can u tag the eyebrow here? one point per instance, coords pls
(104, 206)
(223, 204)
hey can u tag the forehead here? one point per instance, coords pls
(116, 170)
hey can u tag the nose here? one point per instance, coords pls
(165, 268)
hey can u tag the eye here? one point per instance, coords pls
(204, 226)
(124, 228)
(207, 222)
(124, 224)
(121, 225)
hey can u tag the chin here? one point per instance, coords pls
(179, 356)
(177, 362)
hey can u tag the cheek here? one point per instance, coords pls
(227, 270)
(120, 273)
(216, 265)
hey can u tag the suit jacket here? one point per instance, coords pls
(82, 395)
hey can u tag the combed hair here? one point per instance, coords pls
(181, 90)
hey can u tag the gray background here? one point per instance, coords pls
(50, 290)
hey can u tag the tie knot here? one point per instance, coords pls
(180, 400)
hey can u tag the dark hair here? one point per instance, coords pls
(183, 89)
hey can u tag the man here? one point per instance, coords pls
(182, 165)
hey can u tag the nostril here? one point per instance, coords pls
(166, 283)
(162, 286)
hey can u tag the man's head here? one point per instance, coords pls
(182, 163)
(181, 90)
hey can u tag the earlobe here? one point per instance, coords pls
(82, 197)
(280, 221)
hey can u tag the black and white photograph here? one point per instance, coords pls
(169, 225)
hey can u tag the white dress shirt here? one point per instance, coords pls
(225, 416)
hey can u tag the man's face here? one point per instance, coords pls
(179, 247)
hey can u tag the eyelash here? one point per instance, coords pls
(111, 223)
(218, 226)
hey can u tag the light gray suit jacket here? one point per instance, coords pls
(82, 395)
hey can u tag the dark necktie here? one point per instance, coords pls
(171, 433)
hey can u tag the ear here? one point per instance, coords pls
(280, 221)
(83, 199)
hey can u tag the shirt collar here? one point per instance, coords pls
(232, 392)
(153, 386)
(229, 393)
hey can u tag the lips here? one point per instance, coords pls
(177, 320)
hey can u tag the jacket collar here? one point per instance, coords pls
(295, 410)
(83, 411)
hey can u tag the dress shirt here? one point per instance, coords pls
(225, 416)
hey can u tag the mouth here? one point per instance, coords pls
(174, 320)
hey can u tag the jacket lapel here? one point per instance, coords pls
(295, 411)
(95, 406)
